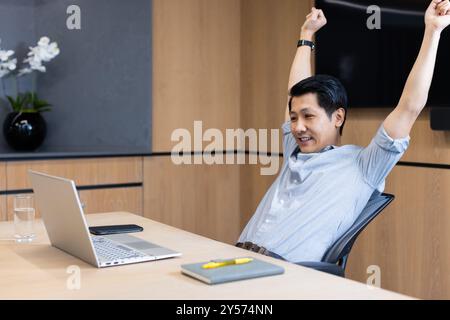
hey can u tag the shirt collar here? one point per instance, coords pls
(297, 153)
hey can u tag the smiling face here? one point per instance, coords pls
(311, 126)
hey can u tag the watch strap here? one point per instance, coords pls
(306, 43)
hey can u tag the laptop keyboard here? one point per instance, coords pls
(107, 249)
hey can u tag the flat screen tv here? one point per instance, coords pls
(373, 64)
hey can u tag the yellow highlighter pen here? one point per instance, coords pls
(211, 265)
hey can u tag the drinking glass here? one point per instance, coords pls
(24, 215)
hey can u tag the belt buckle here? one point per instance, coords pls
(255, 248)
(259, 249)
(262, 250)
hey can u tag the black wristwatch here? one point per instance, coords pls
(306, 43)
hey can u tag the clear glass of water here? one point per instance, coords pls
(24, 215)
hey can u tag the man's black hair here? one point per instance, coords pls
(331, 94)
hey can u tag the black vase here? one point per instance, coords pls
(24, 131)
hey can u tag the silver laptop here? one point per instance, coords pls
(62, 213)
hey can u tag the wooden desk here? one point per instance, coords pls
(39, 271)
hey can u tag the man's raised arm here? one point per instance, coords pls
(415, 94)
(301, 67)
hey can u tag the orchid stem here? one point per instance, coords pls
(33, 82)
(16, 86)
(3, 87)
(33, 86)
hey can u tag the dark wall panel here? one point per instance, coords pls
(100, 84)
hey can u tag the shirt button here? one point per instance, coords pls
(281, 201)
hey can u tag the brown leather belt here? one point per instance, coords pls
(254, 247)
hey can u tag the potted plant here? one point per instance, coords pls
(24, 127)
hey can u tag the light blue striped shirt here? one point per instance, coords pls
(317, 196)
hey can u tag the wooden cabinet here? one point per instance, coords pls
(202, 199)
(409, 241)
(3, 210)
(2, 176)
(105, 184)
(100, 200)
(117, 199)
(85, 172)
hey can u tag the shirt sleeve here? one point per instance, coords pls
(289, 143)
(380, 156)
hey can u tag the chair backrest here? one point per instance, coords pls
(338, 252)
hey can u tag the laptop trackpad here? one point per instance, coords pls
(139, 244)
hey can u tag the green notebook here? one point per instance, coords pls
(254, 269)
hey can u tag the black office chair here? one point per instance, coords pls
(335, 259)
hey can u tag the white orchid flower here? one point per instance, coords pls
(43, 41)
(43, 52)
(37, 67)
(4, 55)
(6, 64)
(11, 64)
(35, 64)
(53, 49)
